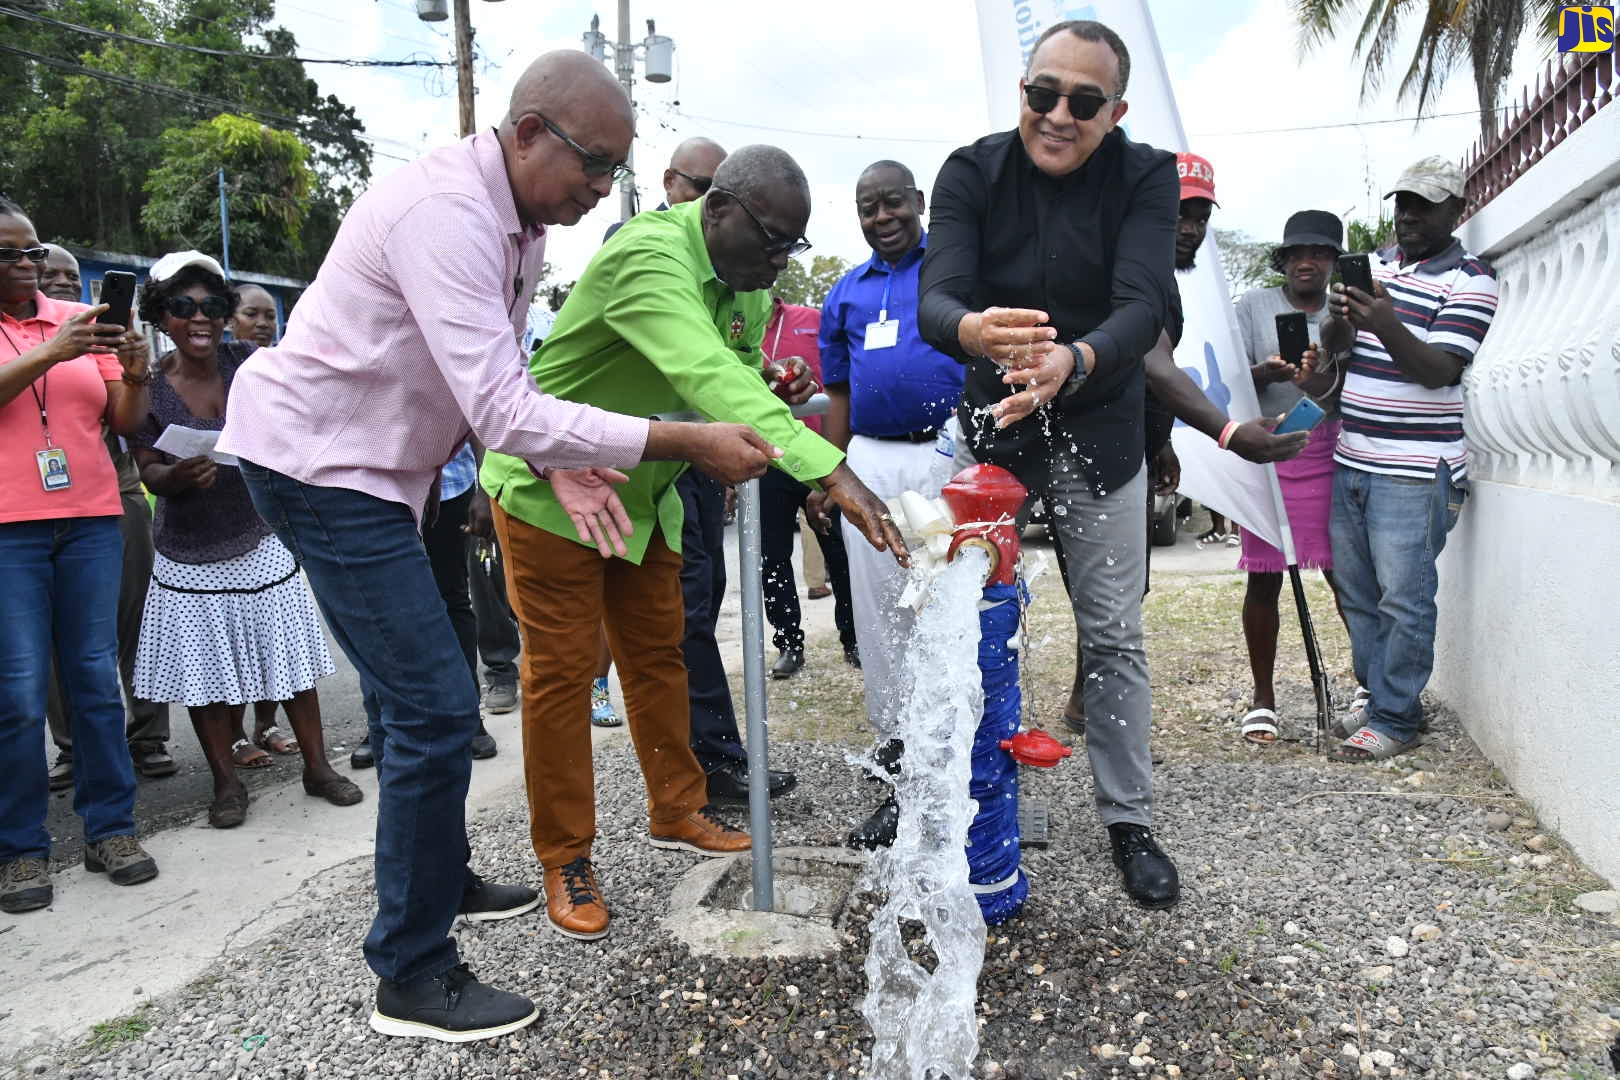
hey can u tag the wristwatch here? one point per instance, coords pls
(1077, 378)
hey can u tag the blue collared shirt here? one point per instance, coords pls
(895, 391)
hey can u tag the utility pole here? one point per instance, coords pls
(624, 67)
(657, 51)
(464, 68)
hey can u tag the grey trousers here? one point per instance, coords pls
(147, 722)
(1104, 541)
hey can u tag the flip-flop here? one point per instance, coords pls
(1368, 745)
(275, 740)
(244, 755)
(1260, 722)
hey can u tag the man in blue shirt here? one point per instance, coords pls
(890, 395)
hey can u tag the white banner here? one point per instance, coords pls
(1211, 351)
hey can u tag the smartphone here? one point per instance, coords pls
(1293, 337)
(118, 293)
(1356, 270)
(1305, 415)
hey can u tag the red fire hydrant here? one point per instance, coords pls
(984, 500)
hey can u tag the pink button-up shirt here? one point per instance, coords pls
(408, 339)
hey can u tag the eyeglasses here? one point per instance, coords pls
(36, 255)
(889, 200)
(184, 307)
(594, 164)
(700, 184)
(774, 244)
(1083, 104)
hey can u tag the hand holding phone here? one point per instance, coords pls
(1304, 416)
(1356, 272)
(118, 293)
(1293, 337)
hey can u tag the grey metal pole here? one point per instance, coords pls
(750, 561)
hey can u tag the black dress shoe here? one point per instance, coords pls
(878, 830)
(483, 745)
(888, 756)
(852, 655)
(360, 757)
(453, 1007)
(1150, 876)
(488, 901)
(787, 664)
(729, 784)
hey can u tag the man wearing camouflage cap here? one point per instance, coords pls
(1402, 457)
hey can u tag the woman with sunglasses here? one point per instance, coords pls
(62, 376)
(228, 620)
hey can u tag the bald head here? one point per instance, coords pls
(59, 278)
(567, 126)
(691, 169)
(760, 173)
(755, 215)
(560, 82)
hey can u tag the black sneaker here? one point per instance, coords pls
(483, 901)
(25, 885)
(361, 756)
(453, 1007)
(483, 746)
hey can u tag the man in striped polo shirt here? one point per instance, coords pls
(1402, 456)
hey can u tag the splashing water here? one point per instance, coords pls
(924, 1024)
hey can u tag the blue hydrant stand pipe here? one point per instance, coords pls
(993, 843)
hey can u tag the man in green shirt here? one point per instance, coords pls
(669, 316)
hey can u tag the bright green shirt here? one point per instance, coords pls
(650, 330)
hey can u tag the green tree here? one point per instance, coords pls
(267, 181)
(1481, 34)
(1247, 262)
(85, 117)
(809, 286)
(1361, 236)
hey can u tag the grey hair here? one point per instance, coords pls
(757, 171)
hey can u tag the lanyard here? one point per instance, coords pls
(776, 342)
(883, 312)
(40, 387)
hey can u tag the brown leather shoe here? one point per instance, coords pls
(574, 901)
(702, 833)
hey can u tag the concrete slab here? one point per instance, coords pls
(708, 909)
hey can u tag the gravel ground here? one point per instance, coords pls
(1399, 920)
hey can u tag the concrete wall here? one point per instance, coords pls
(1528, 650)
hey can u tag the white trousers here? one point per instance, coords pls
(875, 579)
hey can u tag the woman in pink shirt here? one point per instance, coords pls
(61, 377)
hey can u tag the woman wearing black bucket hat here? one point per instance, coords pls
(1312, 240)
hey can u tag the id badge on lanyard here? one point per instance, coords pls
(885, 333)
(52, 461)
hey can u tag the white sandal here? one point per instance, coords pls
(1260, 722)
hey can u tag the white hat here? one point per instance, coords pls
(176, 261)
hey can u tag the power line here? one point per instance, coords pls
(194, 98)
(1343, 124)
(111, 35)
(814, 134)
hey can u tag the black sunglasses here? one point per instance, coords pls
(594, 164)
(700, 184)
(1083, 104)
(184, 307)
(36, 255)
(774, 244)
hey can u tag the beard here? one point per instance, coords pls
(1191, 261)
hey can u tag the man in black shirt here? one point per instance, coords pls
(1050, 274)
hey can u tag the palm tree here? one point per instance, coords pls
(1481, 33)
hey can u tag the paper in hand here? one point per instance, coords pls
(185, 442)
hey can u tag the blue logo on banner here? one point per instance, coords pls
(1587, 28)
(1214, 387)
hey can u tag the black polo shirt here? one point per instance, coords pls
(1095, 250)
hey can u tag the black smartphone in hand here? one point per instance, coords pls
(118, 293)
(1356, 271)
(1293, 337)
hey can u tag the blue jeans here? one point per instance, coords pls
(371, 577)
(60, 581)
(1387, 533)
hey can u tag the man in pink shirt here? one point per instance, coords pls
(406, 345)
